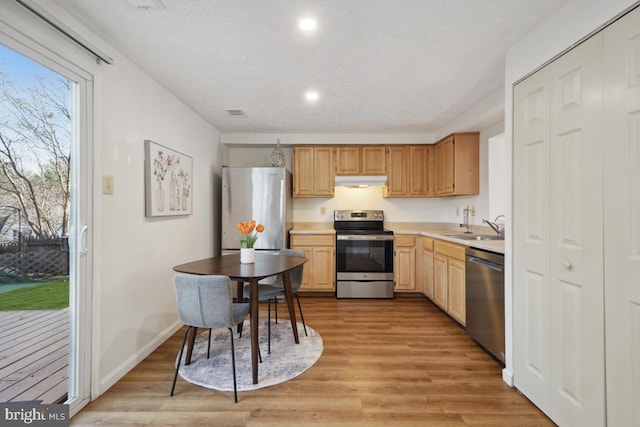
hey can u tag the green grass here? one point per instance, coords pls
(49, 296)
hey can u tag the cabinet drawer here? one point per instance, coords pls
(312, 240)
(427, 243)
(449, 249)
(404, 240)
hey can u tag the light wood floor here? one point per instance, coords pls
(399, 362)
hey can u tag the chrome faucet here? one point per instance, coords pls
(494, 226)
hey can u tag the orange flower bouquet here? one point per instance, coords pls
(249, 237)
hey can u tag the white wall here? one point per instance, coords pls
(134, 301)
(570, 24)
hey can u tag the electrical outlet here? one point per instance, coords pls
(457, 210)
(323, 210)
(107, 184)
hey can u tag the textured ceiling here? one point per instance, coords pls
(378, 65)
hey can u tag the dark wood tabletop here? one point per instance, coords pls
(265, 265)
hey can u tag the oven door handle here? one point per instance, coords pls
(364, 237)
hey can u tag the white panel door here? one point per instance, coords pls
(531, 239)
(576, 274)
(622, 219)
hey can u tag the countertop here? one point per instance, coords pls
(441, 231)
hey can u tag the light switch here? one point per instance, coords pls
(107, 184)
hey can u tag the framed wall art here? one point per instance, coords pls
(168, 178)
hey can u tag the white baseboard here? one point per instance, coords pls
(117, 374)
(507, 376)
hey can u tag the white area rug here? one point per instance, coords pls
(286, 361)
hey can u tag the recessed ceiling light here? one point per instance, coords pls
(311, 96)
(307, 24)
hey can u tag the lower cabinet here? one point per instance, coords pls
(427, 267)
(449, 278)
(319, 271)
(404, 263)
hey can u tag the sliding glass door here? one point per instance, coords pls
(45, 202)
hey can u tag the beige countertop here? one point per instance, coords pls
(442, 231)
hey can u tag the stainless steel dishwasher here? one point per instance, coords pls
(485, 300)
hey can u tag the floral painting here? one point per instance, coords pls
(168, 178)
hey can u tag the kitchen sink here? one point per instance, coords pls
(477, 237)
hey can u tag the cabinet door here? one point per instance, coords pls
(405, 264)
(431, 170)
(348, 160)
(303, 165)
(323, 171)
(374, 160)
(456, 300)
(444, 153)
(323, 269)
(397, 167)
(418, 174)
(440, 280)
(427, 272)
(307, 271)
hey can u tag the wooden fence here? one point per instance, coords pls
(38, 258)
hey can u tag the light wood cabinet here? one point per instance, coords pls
(410, 171)
(457, 165)
(313, 171)
(421, 170)
(319, 271)
(397, 171)
(427, 267)
(449, 278)
(457, 303)
(360, 160)
(374, 160)
(404, 263)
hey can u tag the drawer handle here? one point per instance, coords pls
(567, 265)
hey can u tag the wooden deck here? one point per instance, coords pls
(34, 355)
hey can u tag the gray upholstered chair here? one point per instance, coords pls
(206, 302)
(271, 292)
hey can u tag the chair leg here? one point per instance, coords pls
(240, 325)
(175, 376)
(304, 325)
(233, 363)
(275, 302)
(269, 325)
(209, 344)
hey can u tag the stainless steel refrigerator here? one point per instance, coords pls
(262, 194)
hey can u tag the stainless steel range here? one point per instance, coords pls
(364, 255)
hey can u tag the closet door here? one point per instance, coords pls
(558, 266)
(531, 238)
(622, 219)
(576, 286)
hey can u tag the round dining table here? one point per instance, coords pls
(265, 265)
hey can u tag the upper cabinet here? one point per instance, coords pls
(457, 165)
(410, 171)
(360, 160)
(448, 168)
(313, 171)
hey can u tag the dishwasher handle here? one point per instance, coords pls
(485, 263)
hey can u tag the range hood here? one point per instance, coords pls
(361, 181)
